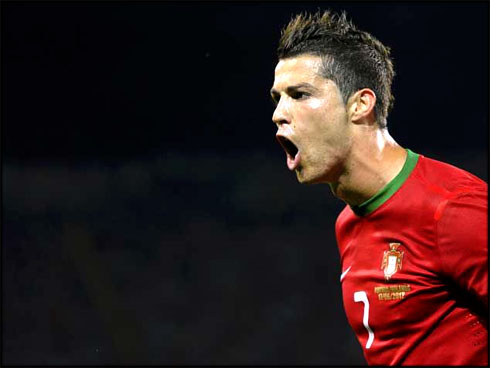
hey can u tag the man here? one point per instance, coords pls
(413, 235)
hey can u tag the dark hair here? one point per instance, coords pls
(352, 58)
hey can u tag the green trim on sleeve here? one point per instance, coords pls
(385, 193)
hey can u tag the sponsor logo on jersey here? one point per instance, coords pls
(392, 260)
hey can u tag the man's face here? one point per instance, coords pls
(311, 118)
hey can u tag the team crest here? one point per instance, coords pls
(392, 260)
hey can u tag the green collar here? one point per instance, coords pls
(385, 193)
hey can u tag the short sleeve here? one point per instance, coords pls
(462, 241)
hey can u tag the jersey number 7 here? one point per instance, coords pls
(361, 296)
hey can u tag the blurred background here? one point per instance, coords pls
(148, 213)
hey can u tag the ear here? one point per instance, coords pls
(361, 105)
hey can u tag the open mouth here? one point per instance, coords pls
(292, 152)
(288, 146)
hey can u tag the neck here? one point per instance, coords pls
(375, 160)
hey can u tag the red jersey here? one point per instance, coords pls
(415, 271)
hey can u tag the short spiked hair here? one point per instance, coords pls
(352, 58)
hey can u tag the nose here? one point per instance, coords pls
(280, 115)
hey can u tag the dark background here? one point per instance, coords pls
(148, 213)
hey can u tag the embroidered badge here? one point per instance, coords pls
(392, 260)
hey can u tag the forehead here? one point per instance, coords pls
(295, 70)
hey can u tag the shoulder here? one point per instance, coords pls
(423, 197)
(434, 183)
(460, 208)
(446, 177)
(463, 213)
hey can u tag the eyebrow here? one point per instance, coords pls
(294, 88)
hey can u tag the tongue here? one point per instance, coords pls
(293, 162)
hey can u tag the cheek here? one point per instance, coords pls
(328, 131)
(315, 104)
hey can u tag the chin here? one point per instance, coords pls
(306, 178)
